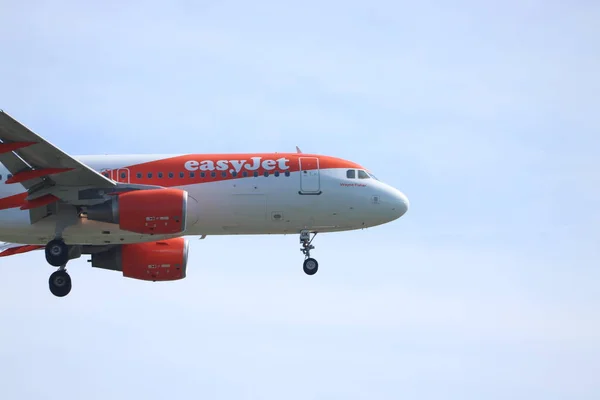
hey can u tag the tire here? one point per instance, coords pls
(311, 266)
(60, 283)
(57, 253)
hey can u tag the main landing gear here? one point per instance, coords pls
(311, 266)
(57, 255)
(60, 283)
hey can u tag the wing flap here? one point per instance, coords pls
(23, 156)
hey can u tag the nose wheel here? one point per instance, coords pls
(57, 255)
(310, 266)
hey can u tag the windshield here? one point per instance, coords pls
(360, 174)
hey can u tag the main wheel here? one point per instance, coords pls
(311, 266)
(57, 253)
(60, 283)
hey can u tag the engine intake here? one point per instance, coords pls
(163, 260)
(153, 211)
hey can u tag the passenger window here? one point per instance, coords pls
(351, 174)
(213, 174)
(202, 174)
(160, 174)
(363, 175)
(224, 174)
(255, 174)
(287, 173)
(234, 174)
(245, 174)
(192, 174)
(149, 175)
(138, 175)
(182, 174)
(266, 174)
(170, 174)
(276, 173)
(123, 175)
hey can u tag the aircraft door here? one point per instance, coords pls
(310, 180)
(122, 175)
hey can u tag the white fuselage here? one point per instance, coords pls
(323, 200)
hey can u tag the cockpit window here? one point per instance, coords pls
(351, 174)
(362, 174)
(373, 176)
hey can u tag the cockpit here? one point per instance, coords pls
(359, 174)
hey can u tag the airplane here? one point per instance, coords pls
(131, 213)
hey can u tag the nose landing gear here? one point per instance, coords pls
(57, 255)
(310, 266)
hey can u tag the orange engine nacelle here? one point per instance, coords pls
(163, 260)
(153, 211)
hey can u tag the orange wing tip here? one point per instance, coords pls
(35, 173)
(8, 147)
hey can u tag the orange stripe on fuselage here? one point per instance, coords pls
(177, 165)
(224, 167)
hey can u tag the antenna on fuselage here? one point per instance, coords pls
(298, 150)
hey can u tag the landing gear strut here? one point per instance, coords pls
(311, 266)
(57, 255)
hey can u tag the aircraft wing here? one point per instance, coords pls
(9, 249)
(36, 163)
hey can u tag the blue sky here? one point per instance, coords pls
(484, 113)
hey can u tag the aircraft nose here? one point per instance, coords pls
(400, 203)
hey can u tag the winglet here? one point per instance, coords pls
(298, 150)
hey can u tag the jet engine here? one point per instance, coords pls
(153, 211)
(163, 260)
